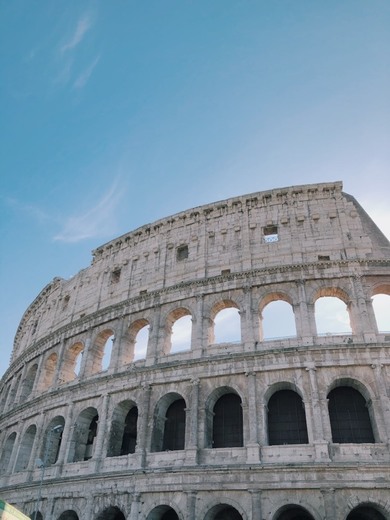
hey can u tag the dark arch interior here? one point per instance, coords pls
(295, 513)
(170, 515)
(68, 515)
(227, 425)
(111, 513)
(228, 513)
(129, 439)
(175, 423)
(349, 417)
(365, 513)
(286, 419)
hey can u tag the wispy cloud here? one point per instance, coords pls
(97, 221)
(83, 25)
(32, 211)
(83, 78)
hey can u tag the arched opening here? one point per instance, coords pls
(332, 316)
(162, 513)
(227, 324)
(293, 513)
(277, 320)
(123, 434)
(37, 515)
(286, 419)
(227, 422)
(175, 423)
(141, 343)
(381, 306)
(365, 512)
(349, 417)
(72, 363)
(107, 352)
(28, 383)
(52, 441)
(178, 331)
(25, 448)
(4, 396)
(68, 515)
(49, 371)
(99, 355)
(181, 334)
(84, 435)
(135, 342)
(169, 423)
(223, 512)
(6, 453)
(111, 513)
(14, 390)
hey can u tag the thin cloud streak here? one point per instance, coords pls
(83, 26)
(83, 78)
(96, 222)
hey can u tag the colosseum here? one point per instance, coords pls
(159, 383)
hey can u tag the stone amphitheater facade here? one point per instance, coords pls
(263, 429)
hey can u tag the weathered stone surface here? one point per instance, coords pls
(294, 244)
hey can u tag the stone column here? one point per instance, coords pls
(382, 404)
(154, 337)
(84, 362)
(329, 503)
(252, 440)
(37, 376)
(362, 314)
(304, 314)
(87, 515)
(192, 424)
(61, 352)
(197, 338)
(256, 504)
(116, 355)
(65, 442)
(134, 510)
(39, 438)
(143, 420)
(191, 506)
(250, 333)
(318, 439)
(102, 433)
(19, 391)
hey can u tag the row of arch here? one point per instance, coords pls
(348, 410)
(223, 511)
(133, 344)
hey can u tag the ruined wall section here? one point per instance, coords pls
(312, 223)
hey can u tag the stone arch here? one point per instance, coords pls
(123, 432)
(28, 383)
(367, 511)
(349, 414)
(68, 515)
(276, 307)
(169, 418)
(177, 340)
(70, 369)
(14, 390)
(217, 399)
(225, 322)
(84, 435)
(6, 452)
(164, 512)
(25, 448)
(111, 513)
(49, 369)
(333, 318)
(293, 512)
(381, 306)
(136, 342)
(36, 515)
(223, 512)
(52, 439)
(99, 352)
(286, 415)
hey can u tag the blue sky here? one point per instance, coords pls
(114, 114)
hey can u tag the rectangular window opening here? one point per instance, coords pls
(181, 253)
(270, 234)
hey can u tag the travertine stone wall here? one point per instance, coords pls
(295, 244)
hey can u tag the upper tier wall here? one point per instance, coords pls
(312, 222)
